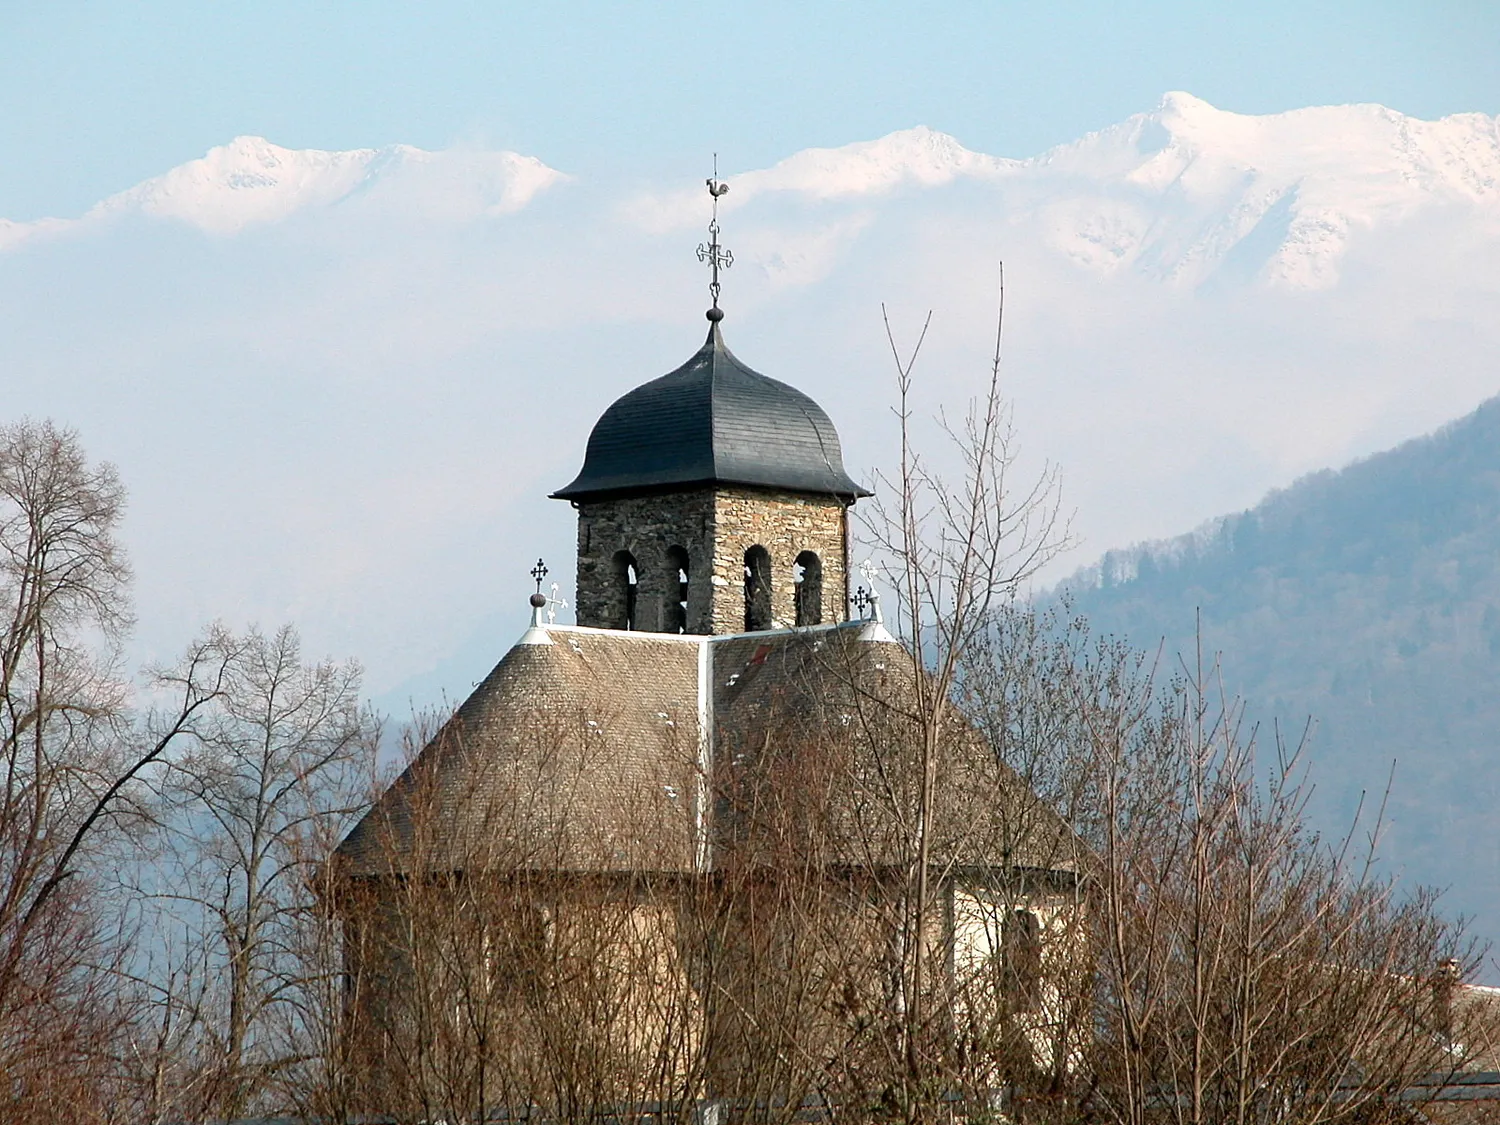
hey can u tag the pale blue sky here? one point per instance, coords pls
(97, 96)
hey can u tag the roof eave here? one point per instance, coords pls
(585, 494)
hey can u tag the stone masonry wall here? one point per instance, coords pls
(716, 527)
(647, 527)
(785, 524)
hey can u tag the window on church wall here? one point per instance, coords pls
(893, 978)
(626, 585)
(676, 616)
(757, 589)
(492, 951)
(807, 573)
(1021, 953)
(516, 946)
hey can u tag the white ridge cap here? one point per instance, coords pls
(875, 632)
(537, 633)
(699, 638)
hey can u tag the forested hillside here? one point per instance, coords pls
(1369, 600)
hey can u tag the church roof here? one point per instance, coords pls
(581, 752)
(712, 421)
(578, 754)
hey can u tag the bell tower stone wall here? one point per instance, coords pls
(785, 524)
(715, 527)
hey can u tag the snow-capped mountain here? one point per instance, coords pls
(1176, 191)
(251, 181)
(1177, 194)
(918, 157)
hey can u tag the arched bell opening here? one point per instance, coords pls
(675, 612)
(627, 584)
(757, 589)
(807, 598)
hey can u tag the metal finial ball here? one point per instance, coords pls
(715, 314)
(538, 600)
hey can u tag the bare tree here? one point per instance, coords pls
(1249, 966)
(74, 763)
(271, 772)
(954, 553)
(1227, 962)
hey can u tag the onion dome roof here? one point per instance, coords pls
(712, 421)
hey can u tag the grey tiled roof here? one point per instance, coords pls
(579, 755)
(822, 728)
(712, 421)
(584, 755)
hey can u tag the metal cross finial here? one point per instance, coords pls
(862, 601)
(711, 252)
(539, 572)
(871, 595)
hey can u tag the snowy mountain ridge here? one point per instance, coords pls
(246, 181)
(1175, 194)
(1175, 191)
(251, 181)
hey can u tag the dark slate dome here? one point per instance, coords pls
(712, 421)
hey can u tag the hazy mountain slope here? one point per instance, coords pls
(1368, 598)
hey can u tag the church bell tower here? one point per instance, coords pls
(712, 500)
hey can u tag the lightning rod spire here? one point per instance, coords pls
(711, 252)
